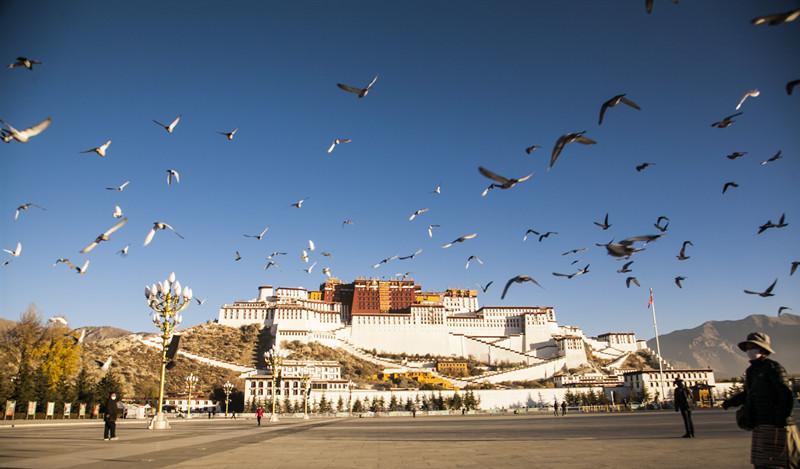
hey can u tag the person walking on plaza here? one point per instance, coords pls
(563, 408)
(110, 418)
(555, 407)
(767, 403)
(683, 404)
(259, 414)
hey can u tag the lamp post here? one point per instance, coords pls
(274, 358)
(227, 388)
(191, 381)
(350, 386)
(306, 391)
(167, 299)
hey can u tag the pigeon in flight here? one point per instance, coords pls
(774, 157)
(573, 251)
(793, 268)
(171, 127)
(790, 86)
(24, 207)
(310, 268)
(24, 62)
(747, 94)
(82, 269)
(625, 268)
(678, 281)
(410, 256)
(326, 254)
(728, 185)
(631, 280)
(485, 287)
(659, 226)
(776, 19)
(124, 251)
(360, 92)
(532, 149)
(81, 336)
(104, 236)
(158, 226)
(311, 245)
(173, 173)
(326, 271)
(259, 236)
(643, 166)
(417, 213)
(104, 366)
(546, 235)
(200, 301)
(682, 255)
(736, 155)
(727, 121)
(437, 190)
(119, 188)
(23, 136)
(430, 230)
(620, 98)
(63, 260)
(299, 203)
(766, 293)
(459, 240)
(117, 212)
(529, 231)
(101, 150)
(229, 135)
(500, 181)
(385, 261)
(518, 279)
(276, 253)
(271, 263)
(576, 137)
(605, 225)
(304, 256)
(347, 222)
(16, 252)
(782, 309)
(781, 224)
(473, 258)
(582, 271)
(237, 257)
(336, 142)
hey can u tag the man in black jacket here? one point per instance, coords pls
(683, 403)
(110, 418)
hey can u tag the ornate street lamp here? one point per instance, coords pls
(274, 358)
(350, 386)
(167, 299)
(227, 388)
(306, 392)
(191, 381)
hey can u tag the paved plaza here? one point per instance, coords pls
(649, 439)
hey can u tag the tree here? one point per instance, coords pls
(340, 404)
(375, 406)
(393, 405)
(440, 402)
(455, 402)
(288, 408)
(469, 400)
(108, 384)
(325, 405)
(409, 405)
(644, 395)
(357, 406)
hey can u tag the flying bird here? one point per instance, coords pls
(777, 18)
(605, 225)
(81, 336)
(117, 212)
(500, 181)
(631, 280)
(276, 253)
(459, 240)
(529, 231)
(793, 268)
(410, 256)
(63, 260)
(782, 309)
(82, 269)
(764, 294)
(119, 188)
(790, 86)
(727, 121)
(24, 62)
(299, 203)
(158, 226)
(310, 268)
(23, 136)
(682, 255)
(643, 166)
(473, 258)
(24, 207)
(774, 157)
(518, 279)
(532, 149)
(336, 142)
(326, 254)
(430, 230)
(625, 268)
(620, 98)
(769, 224)
(271, 263)
(104, 236)
(659, 226)
(747, 94)
(576, 137)
(101, 150)
(385, 261)
(417, 213)
(546, 235)
(573, 251)
(582, 271)
(311, 245)
(304, 256)
(173, 173)
(200, 301)
(171, 127)
(124, 251)
(360, 92)
(16, 252)
(678, 281)
(728, 185)
(326, 271)
(237, 257)
(347, 222)
(736, 155)
(229, 135)
(485, 287)
(437, 190)
(259, 236)
(104, 365)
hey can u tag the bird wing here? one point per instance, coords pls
(508, 284)
(769, 288)
(36, 129)
(149, 236)
(372, 82)
(584, 140)
(177, 176)
(525, 178)
(630, 103)
(603, 110)
(348, 88)
(790, 86)
(159, 123)
(557, 150)
(493, 176)
(562, 275)
(89, 247)
(752, 292)
(333, 145)
(174, 123)
(83, 268)
(116, 227)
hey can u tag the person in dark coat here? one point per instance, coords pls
(684, 404)
(767, 398)
(563, 407)
(555, 407)
(110, 418)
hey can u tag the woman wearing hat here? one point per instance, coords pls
(767, 400)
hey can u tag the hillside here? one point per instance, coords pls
(95, 333)
(713, 344)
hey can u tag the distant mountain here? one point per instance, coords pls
(713, 344)
(6, 323)
(95, 333)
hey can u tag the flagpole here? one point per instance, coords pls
(658, 347)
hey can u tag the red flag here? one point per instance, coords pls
(650, 302)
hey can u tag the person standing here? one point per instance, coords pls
(259, 414)
(110, 418)
(767, 400)
(555, 407)
(563, 408)
(683, 404)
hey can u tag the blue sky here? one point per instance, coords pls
(458, 88)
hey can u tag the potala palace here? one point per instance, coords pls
(397, 317)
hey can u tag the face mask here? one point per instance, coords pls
(113, 398)
(753, 353)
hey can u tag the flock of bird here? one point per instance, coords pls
(624, 249)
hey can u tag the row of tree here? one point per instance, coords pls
(378, 404)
